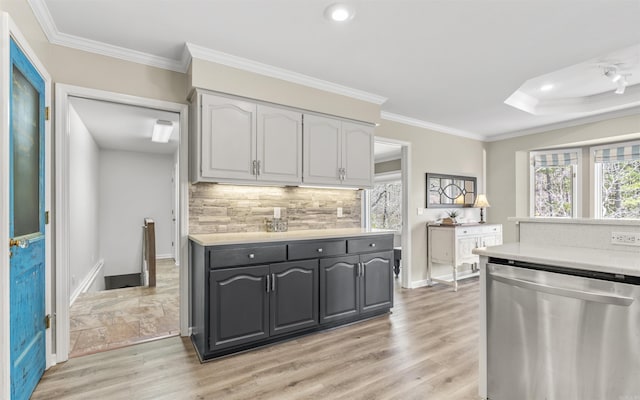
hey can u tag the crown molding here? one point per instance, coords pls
(245, 64)
(63, 39)
(566, 124)
(387, 158)
(430, 125)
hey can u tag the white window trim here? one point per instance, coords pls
(577, 181)
(596, 170)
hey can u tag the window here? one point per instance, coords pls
(554, 183)
(386, 204)
(617, 180)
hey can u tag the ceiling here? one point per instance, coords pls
(125, 127)
(448, 65)
(386, 151)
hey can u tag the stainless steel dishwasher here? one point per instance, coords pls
(555, 333)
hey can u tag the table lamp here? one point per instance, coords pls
(481, 202)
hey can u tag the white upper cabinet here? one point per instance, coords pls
(357, 154)
(240, 141)
(322, 153)
(228, 138)
(337, 152)
(279, 145)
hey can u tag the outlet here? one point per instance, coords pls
(339, 212)
(276, 212)
(625, 238)
(420, 211)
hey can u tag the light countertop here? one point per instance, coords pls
(577, 221)
(617, 262)
(213, 239)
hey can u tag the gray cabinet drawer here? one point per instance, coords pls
(315, 249)
(228, 257)
(374, 243)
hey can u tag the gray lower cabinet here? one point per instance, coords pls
(294, 296)
(376, 282)
(251, 294)
(354, 285)
(239, 306)
(339, 288)
(252, 303)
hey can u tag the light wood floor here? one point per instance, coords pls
(426, 349)
(116, 318)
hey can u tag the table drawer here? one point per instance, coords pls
(316, 249)
(228, 257)
(374, 243)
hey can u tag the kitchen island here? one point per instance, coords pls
(560, 313)
(257, 288)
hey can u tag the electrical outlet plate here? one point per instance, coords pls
(339, 212)
(625, 238)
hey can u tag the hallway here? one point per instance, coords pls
(116, 318)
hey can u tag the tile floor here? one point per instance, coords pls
(116, 318)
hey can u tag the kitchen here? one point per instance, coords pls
(501, 165)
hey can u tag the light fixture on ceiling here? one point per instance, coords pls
(616, 77)
(612, 73)
(339, 12)
(547, 87)
(621, 85)
(162, 131)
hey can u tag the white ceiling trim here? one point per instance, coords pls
(63, 39)
(567, 124)
(391, 157)
(245, 64)
(430, 125)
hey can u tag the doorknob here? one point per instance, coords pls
(22, 243)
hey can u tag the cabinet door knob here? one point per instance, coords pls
(252, 255)
(320, 250)
(372, 245)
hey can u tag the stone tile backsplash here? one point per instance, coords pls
(217, 208)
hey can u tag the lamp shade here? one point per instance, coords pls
(481, 201)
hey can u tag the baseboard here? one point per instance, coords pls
(164, 256)
(417, 284)
(88, 281)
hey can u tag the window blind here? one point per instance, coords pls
(555, 159)
(619, 153)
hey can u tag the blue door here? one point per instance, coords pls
(26, 225)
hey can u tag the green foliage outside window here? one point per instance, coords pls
(620, 189)
(386, 205)
(553, 187)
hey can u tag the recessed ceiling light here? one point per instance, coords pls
(546, 88)
(338, 12)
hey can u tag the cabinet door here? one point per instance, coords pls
(339, 288)
(322, 156)
(491, 240)
(294, 296)
(376, 290)
(238, 306)
(441, 245)
(357, 155)
(279, 144)
(228, 138)
(466, 244)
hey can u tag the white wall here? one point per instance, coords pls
(83, 202)
(133, 186)
(437, 152)
(508, 165)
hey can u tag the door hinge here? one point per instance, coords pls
(47, 321)
(46, 217)
(46, 113)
